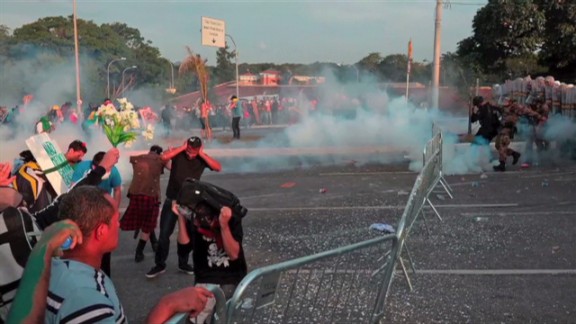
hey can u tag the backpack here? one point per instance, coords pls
(194, 191)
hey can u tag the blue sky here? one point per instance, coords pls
(298, 31)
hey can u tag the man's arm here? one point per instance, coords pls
(183, 237)
(212, 163)
(49, 214)
(231, 246)
(116, 182)
(188, 300)
(30, 301)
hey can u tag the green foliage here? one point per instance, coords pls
(515, 38)
(225, 69)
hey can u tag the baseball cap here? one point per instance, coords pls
(194, 142)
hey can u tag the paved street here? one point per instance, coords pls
(505, 250)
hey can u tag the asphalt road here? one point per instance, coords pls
(505, 250)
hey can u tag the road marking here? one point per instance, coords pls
(379, 207)
(520, 213)
(498, 272)
(364, 173)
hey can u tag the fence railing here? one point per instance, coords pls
(347, 284)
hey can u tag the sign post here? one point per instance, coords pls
(213, 32)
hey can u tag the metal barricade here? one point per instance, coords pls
(423, 186)
(344, 285)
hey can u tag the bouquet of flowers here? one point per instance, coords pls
(118, 124)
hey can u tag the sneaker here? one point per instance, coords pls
(155, 271)
(186, 268)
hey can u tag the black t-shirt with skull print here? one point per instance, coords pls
(211, 263)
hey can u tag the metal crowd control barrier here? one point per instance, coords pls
(219, 312)
(346, 285)
(423, 186)
(433, 145)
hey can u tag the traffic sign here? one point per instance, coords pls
(213, 32)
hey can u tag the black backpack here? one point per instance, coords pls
(194, 191)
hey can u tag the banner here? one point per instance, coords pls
(54, 164)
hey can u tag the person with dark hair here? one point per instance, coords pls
(72, 288)
(144, 194)
(216, 233)
(237, 111)
(111, 183)
(187, 161)
(488, 117)
(76, 151)
(22, 226)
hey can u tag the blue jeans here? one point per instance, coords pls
(168, 221)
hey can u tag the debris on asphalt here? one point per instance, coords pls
(441, 197)
(289, 184)
(322, 190)
(403, 193)
(381, 227)
(475, 184)
(483, 176)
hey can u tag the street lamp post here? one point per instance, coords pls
(77, 55)
(171, 90)
(124, 71)
(108, 75)
(236, 62)
(436, 64)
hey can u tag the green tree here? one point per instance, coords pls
(371, 63)
(393, 67)
(225, 69)
(558, 50)
(503, 30)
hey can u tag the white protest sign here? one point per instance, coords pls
(51, 160)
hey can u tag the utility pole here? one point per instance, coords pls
(436, 64)
(80, 111)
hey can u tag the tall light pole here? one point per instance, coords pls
(236, 62)
(124, 71)
(436, 64)
(77, 55)
(171, 90)
(108, 75)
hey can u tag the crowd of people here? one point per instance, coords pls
(525, 114)
(52, 283)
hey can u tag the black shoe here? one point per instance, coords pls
(515, 158)
(501, 167)
(186, 268)
(139, 257)
(155, 271)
